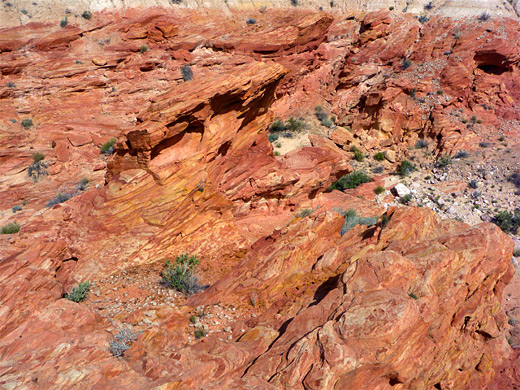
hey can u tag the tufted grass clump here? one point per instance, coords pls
(122, 341)
(352, 219)
(352, 180)
(108, 147)
(11, 228)
(444, 161)
(79, 293)
(180, 274)
(405, 168)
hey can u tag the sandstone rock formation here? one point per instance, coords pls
(409, 301)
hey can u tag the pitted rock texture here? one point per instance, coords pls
(410, 301)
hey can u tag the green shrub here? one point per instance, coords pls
(405, 199)
(378, 169)
(38, 168)
(352, 219)
(11, 228)
(86, 15)
(199, 333)
(440, 92)
(277, 125)
(78, 294)
(108, 147)
(181, 274)
(193, 319)
(323, 116)
(16, 208)
(406, 64)
(64, 22)
(358, 155)
(273, 137)
(37, 157)
(502, 138)
(420, 144)
(82, 186)
(60, 198)
(143, 49)
(292, 124)
(423, 19)
(26, 123)
(507, 221)
(379, 156)
(352, 180)
(379, 190)
(405, 168)
(413, 296)
(187, 73)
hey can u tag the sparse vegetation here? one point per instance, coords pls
(323, 116)
(423, 19)
(16, 208)
(515, 179)
(484, 144)
(82, 186)
(444, 161)
(122, 341)
(379, 190)
(379, 156)
(484, 16)
(405, 168)
(79, 293)
(406, 64)
(413, 296)
(440, 92)
(273, 137)
(352, 219)
(38, 168)
(60, 198)
(193, 319)
(473, 184)
(304, 213)
(378, 169)
(143, 49)
(180, 274)
(11, 228)
(26, 123)
(502, 138)
(251, 21)
(405, 199)
(358, 155)
(292, 124)
(294, 3)
(420, 144)
(64, 22)
(199, 333)
(352, 180)
(428, 6)
(86, 15)
(507, 221)
(108, 147)
(187, 73)
(461, 154)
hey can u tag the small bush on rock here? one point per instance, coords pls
(37, 168)
(181, 274)
(122, 341)
(79, 294)
(26, 123)
(86, 15)
(108, 147)
(11, 228)
(352, 180)
(187, 73)
(352, 219)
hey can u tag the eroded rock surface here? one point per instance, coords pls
(409, 301)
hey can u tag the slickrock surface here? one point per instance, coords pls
(411, 301)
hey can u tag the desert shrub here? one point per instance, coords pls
(187, 73)
(412, 93)
(358, 155)
(423, 19)
(11, 228)
(444, 161)
(276, 153)
(82, 186)
(16, 208)
(86, 15)
(476, 194)
(79, 293)
(292, 124)
(507, 221)
(352, 219)
(304, 213)
(405, 199)
(484, 144)
(420, 144)
(379, 156)
(378, 169)
(323, 116)
(26, 123)
(38, 168)
(108, 147)
(352, 180)
(273, 137)
(24, 11)
(413, 296)
(251, 21)
(294, 3)
(354, 149)
(379, 190)
(472, 184)
(515, 179)
(181, 274)
(122, 341)
(199, 333)
(287, 134)
(277, 125)
(64, 22)
(405, 168)
(440, 92)
(428, 6)
(502, 138)
(60, 198)
(461, 154)
(144, 49)
(484, 16)
(406, 64)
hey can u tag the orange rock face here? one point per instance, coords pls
(409, 301)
